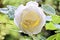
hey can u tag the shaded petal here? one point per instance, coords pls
(43, 18)
(18, 14)
(31, 3)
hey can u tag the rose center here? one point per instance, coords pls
(30, 19)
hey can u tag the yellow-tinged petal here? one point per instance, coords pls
(30, 19)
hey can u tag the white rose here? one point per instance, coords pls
(30, 18)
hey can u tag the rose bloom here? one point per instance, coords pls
(30, 18)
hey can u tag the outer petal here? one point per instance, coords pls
(31, 3)
(43, 18)
(17, 15)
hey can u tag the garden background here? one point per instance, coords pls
(9, 31)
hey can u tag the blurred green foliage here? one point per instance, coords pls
(50, 26)
(54, 37)
(15, 2)
(56, 19)
(7, 27)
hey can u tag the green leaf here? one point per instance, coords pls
(10, 10)
(4, 10)
(58, 36)
(55, 19)
(50, 26)
(57, 31)
(53, 37)
(48, 9)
